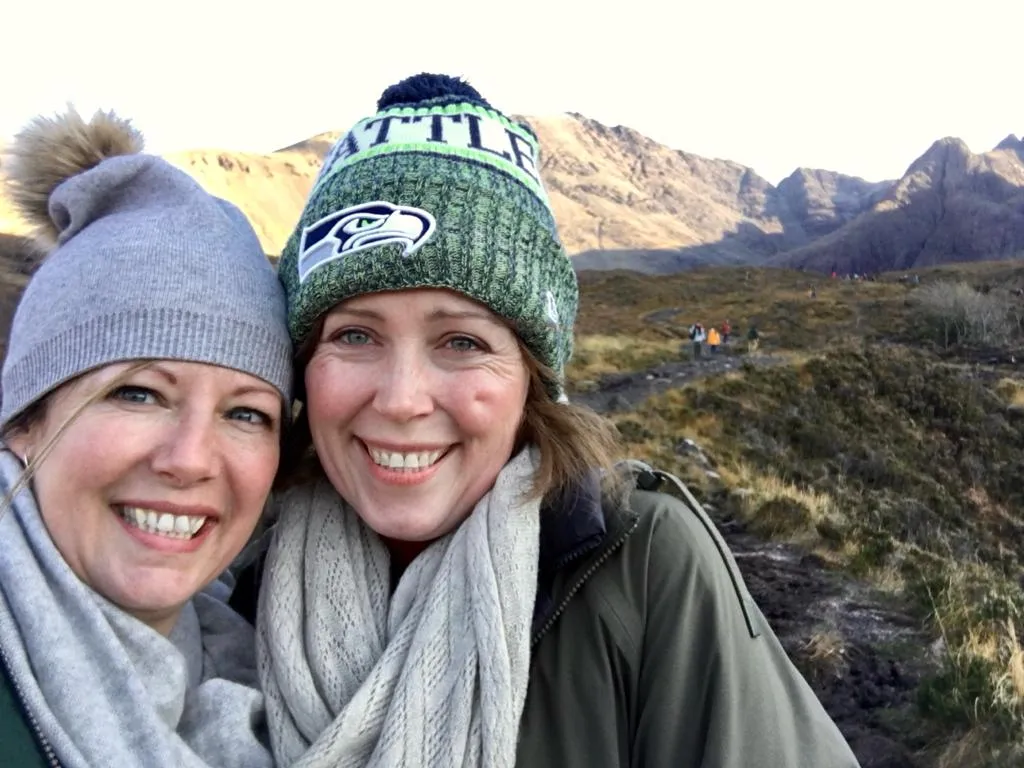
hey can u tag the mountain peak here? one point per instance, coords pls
(1011, 142)
(947, 151)
(947, 145)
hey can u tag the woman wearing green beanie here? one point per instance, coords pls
(460, 574)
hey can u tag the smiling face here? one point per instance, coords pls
(154, 488)
(415, 399)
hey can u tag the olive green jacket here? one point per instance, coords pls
(655, 656)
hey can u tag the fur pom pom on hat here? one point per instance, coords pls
(51, 150)
(141, 263)
(436, 190)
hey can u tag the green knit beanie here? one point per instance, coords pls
(436, 190)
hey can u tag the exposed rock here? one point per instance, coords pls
(822, 201)
(951, 205)
(1013, 144)
(875, 751)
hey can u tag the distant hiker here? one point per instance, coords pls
(726, 330)
(714, 339)
(697, 336)
(812, 292)
(753, 339)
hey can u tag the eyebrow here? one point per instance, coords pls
(244, 389)
(463, 314)
(252, 389)
(167, 374)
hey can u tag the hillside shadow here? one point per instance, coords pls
(748, 245)
(981, 219)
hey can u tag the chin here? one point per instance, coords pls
(153, 596)
(404, 529)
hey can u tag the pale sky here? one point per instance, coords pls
(857, 86)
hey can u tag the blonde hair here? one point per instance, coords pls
(36, 412)
(572, 440)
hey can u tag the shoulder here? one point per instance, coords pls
(671, 528)
(679, 552)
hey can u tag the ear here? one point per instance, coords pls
(20, 443)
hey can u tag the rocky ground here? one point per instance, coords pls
(850, 643)
(846, 640)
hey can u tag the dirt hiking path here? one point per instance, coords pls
(624, 391)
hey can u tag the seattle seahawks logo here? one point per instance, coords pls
(361, 227)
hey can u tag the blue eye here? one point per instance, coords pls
(138, 395)
(250, 416)
(354, 337)
(463, 344)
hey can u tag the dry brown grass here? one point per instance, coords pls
(598, 354)
(978, 748)
(823, 656)
(1011, 390)
(779, 508)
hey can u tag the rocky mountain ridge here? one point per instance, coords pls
(950, 205)
(622, 200)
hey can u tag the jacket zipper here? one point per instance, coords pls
(608, 552)
(51, 756)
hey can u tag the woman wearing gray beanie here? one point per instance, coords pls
(144, 388)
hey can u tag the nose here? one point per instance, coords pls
(187, 454)
(404, 388)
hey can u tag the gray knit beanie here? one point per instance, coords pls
(141, 263)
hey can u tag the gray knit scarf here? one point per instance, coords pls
(434, 674)
(106, 689)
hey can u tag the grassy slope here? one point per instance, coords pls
(893, 463)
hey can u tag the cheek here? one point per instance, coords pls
(333, 395)
(488, 406)
(72, 487)
(260, 469)
(83, 460)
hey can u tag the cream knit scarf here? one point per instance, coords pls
(434, 674)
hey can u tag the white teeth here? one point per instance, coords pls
(164, 524)
(406, 461)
